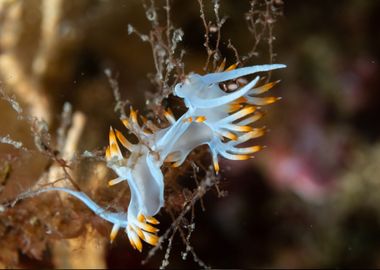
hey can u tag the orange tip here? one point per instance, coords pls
(221, 66)
(114, 232)
(232, 67)
(200, 119)
(152, 220)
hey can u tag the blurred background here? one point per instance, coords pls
(310, 199)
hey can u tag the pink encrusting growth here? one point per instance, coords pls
(222, 120)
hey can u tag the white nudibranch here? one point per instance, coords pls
(222, 120)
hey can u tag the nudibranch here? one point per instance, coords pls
(221, 119)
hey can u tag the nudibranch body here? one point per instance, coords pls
(217, 118)
(214, 117)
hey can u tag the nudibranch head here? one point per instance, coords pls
(227, 118)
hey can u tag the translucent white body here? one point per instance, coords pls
(214, 117)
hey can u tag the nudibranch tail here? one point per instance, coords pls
(136, 227)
